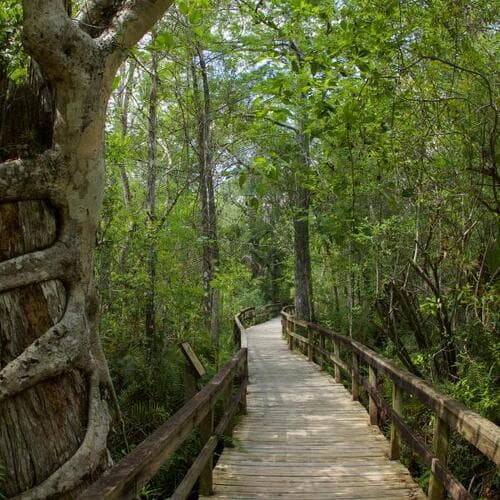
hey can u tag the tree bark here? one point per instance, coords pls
(304, 308)
(202, 101)
(150, 319)
(303, 282)
(127, 194)
(54, 381)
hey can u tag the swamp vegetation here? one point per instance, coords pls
(336, 155)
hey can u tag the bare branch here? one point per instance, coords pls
(425, 277)
(466, 70)
(276, 122)
(54, 262)
(29, 179)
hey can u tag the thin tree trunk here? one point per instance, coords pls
(303, 282)
(304, 308)
(337, 302)
(275, 272)
(150, 319)
(202, 101)
(350, 296)
(127, 195)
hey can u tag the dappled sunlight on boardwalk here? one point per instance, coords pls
(303, 436)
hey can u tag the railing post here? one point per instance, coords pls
(190, 382)
(397, 406)
(372, 406)
(236, 336)
(310, 346)
(193, 371)
(290, 329)
(322, 344)
(440, 441)
(336, 351)
(355, 377)
(206, 477)
(243, 377)
(226, 399)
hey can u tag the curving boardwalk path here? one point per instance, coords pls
(303, 436)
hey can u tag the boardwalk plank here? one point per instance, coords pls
(303, 436)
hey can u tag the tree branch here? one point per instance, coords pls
(54, 39)
(425, 277)
(131, 21)
(51, 263)
(54, 352)
(276, 122)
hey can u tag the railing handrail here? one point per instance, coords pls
(125, 479)
(251, 316)
(452, 414)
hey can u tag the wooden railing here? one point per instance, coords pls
(253, 316)
(126, 479)
(322, 345)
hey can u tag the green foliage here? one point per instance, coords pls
(394, 101)
(477, 387)
(12, 57)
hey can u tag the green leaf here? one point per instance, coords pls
(165, 41)
(242, 179)
(18, 74)
(362, 66)
(253, 202)
(183, 8)
(116, 82)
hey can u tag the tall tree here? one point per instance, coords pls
(204, 148)
(304, 308)
(53, 370)
(150, 319)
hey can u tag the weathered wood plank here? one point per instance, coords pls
(303, 436)
(193, 359)
(440, 443)
(206, 454)
(479, 431)
(126, 478)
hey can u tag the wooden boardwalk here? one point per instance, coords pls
(303, 437)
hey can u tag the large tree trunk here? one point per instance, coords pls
(207, 194)
(28, 451)
(54, 381)
(43, 426)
